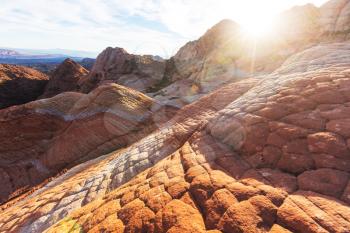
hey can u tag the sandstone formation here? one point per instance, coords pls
(335, 18)
(224, 54)
(115, 65)
(203, 65)
(113, 169)
(20, 85)
(64, 78)
(41, 138)
(267, 155)
(264, 154)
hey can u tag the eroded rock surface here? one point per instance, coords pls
(41, 138)
(64, 78)
(115, 65)
(112, 170)
(336, 18)
(225, 54)
(19, 85)
(262, 155)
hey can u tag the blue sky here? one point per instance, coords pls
(140, 26)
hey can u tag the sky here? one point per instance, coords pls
(158, 27)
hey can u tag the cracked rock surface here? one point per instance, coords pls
(269, 152)
(261, 155)
(42, 138)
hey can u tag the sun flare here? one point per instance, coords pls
(256, 22)
(257, 26)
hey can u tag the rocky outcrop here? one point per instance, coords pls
(336, 18)
(224, 54)
(119, 168)
(203, 65)
(259, 155)
(298, 26)
(41, 138)
(64, 78)
(264, 154)
(221, 56)
(320, 55)
(19, 85)
(115, 65)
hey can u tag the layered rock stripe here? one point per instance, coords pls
(123, 167)
(42, 138)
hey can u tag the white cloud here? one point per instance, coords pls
(140, 26)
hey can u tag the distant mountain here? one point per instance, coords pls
(44, 60)
(15, 54)
(87, 63)
(52, 52)
(7, 52)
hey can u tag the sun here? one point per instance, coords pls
(256, 22)
(257, 26)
